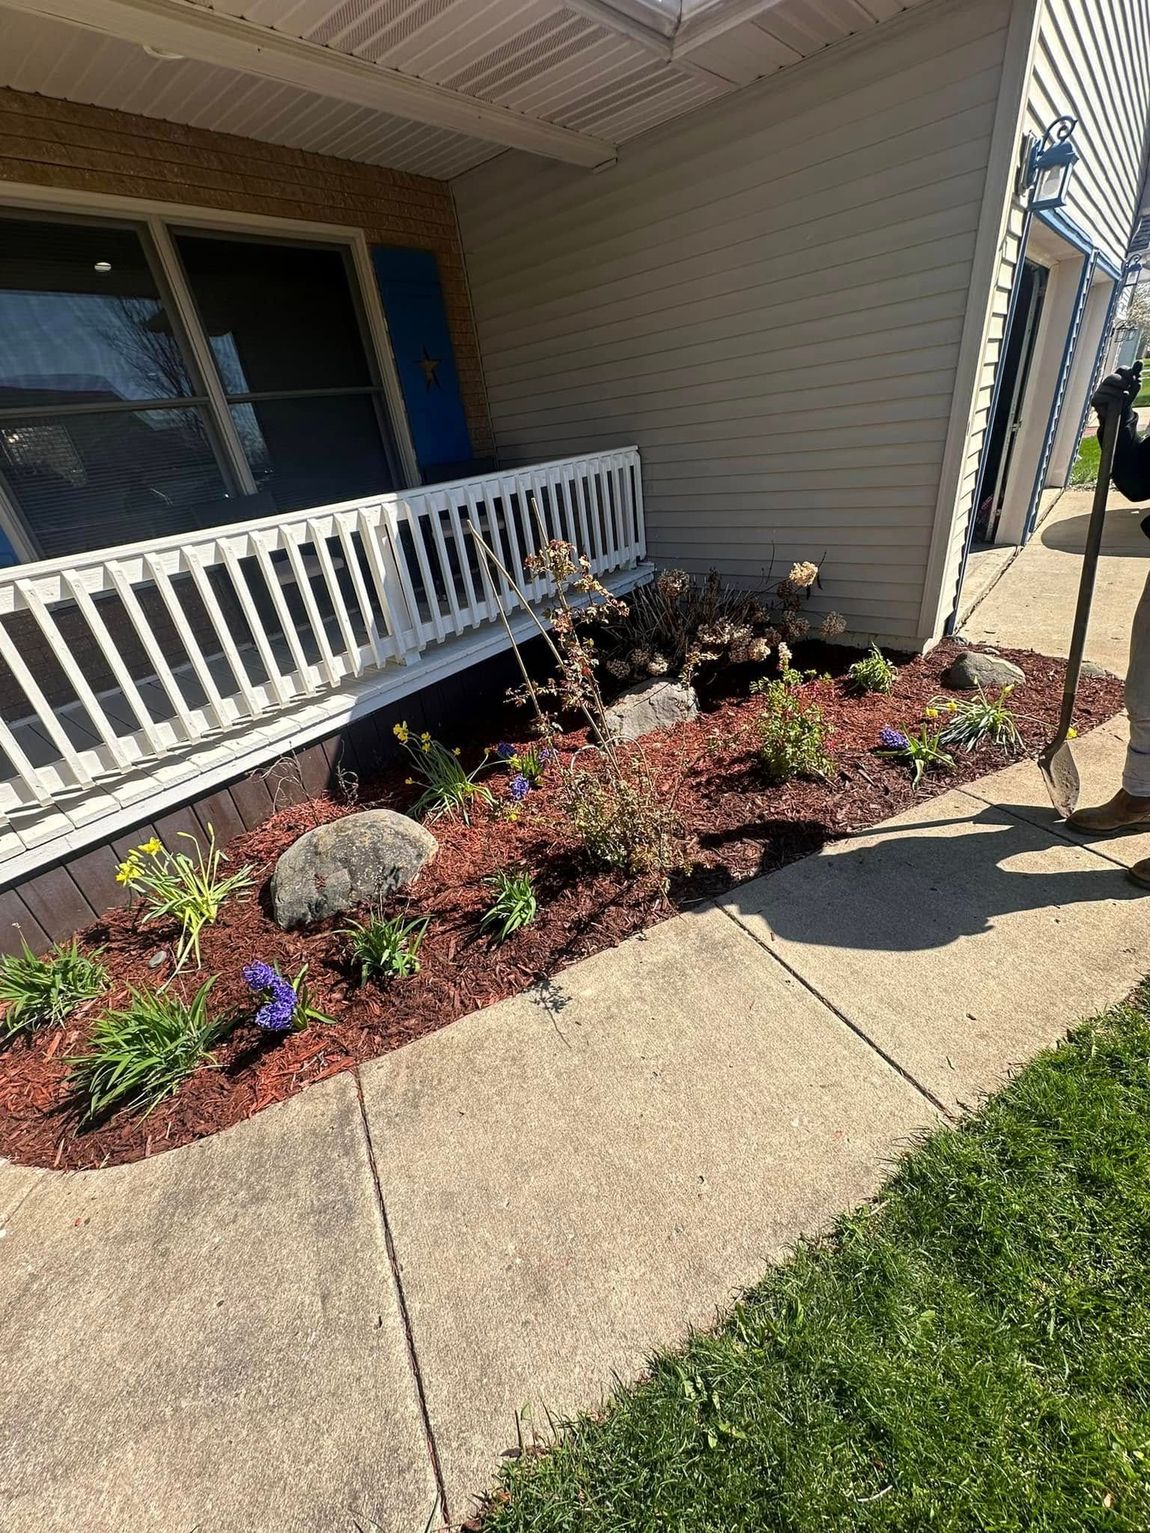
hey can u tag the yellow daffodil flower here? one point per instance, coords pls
(410, 781)
(152, 847)
(126, 872)
(932, 713)
(1072, 733)
(456, 751)
(400, 731)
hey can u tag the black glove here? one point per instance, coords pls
(1120, 388)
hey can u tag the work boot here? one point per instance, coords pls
(1122, 812)
(1140, 873)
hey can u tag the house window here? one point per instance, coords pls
(104, 432)
(141, 396)
(288, 345)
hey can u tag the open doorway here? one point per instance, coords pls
(1018, 356)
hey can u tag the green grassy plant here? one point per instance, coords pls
(514, 906)
(873, 673)
(187, 887)
(979, 718)
(922, 752)
(385, 949)
(141, 1053)
(792, 734)
(969, 1353)
(448, 789)
(38, 992)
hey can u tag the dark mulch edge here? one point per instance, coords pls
(742, 829)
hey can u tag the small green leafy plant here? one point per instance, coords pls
(793, 735)
(979, 718)
(143, 1052)
(385, 949)
(921, 752)
(37, 992)
(873, 673)
(188, 888)
(448, 789)
(515, 904)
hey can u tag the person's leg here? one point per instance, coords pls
(1130, 806)
(1136, 776)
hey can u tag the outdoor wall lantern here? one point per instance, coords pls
(1048, 164)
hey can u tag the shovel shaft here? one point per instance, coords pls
(1108, 441)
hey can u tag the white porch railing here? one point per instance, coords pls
(128, 657)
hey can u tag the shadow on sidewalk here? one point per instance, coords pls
(926, 885)
(1122, 536)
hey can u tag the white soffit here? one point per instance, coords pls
(433, 87)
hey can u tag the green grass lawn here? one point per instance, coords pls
(1084, 470)
(969, 1355)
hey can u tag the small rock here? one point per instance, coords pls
(975, 669)
(155, 961)
(1097, 672)
(654, 704)
(350, 862)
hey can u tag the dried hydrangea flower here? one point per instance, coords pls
(797, 626)
(657, 665)
(618, 667)
(833, 624)
(672, 583)
(803, 574)
(758, 650)
(639, 657)
(784, 654)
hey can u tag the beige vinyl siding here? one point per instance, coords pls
(768, 298)
(1093, 62)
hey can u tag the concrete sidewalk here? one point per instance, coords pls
(1026, 598)
(331, 1316)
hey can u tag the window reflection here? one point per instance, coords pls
(72, 334)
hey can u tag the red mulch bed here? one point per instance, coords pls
(743, 828)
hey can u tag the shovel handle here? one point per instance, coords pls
(1108, 441)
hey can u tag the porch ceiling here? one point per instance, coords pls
(429, 86)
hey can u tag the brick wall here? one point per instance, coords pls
(46, 142)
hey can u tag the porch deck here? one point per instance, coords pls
(133, 677)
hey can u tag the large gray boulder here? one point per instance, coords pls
(990, 672)
(348, 863)
(654, 704)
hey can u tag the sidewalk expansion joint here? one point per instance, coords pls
(835, 1011)
(405, 1314)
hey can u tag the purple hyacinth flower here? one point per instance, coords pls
(894, 739)
(277, 1014)
(505, 751)
(260, 976)
(518, 788)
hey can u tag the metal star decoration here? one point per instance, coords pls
(429, 367)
